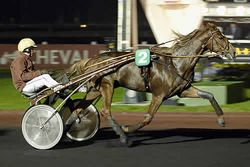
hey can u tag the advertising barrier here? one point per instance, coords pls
(52, 56)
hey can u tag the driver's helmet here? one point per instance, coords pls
(26, 43)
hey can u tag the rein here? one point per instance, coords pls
(188, 81)
(126, 56)
(123, 58)
(164, 43)
(191, 56)
(129, 56)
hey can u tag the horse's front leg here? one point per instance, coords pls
(193, 92)
(106, 90)
(153, 107)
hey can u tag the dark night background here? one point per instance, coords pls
(58, 21)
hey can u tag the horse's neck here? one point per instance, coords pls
(185, 65)
(192, 49)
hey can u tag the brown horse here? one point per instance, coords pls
(171, 74)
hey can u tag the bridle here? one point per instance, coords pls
(224, 49)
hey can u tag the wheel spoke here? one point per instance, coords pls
(48, 136)
(39, 118)
(36, 136)
(33, 125)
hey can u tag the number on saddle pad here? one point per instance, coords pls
(142, 57)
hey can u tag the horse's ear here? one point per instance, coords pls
(211, 24)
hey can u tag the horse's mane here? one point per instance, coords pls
(183, 40)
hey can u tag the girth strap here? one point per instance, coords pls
(145, 72)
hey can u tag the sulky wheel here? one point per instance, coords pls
(37, 135)
(86, 126)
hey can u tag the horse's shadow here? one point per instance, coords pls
(102, 135)
(169, 136)
(4, 132)
(182, 135)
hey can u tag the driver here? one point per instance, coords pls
(25, 78)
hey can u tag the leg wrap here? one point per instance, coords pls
(210, 97)
(118, 130)
(206, 95)
(72, 118)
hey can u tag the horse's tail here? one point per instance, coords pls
(78, 68)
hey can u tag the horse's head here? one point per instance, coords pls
(217, 42)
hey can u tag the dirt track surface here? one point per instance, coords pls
(172, 140)
(161, 120)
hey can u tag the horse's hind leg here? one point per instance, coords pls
(193, 92)
(107, 90)
(90, 97)
(153, 107)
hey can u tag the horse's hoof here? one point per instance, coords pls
(221, 122)
(126, 142)
(123, 140)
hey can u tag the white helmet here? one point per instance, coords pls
(25, 43)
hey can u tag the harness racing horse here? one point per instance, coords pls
(171, 74)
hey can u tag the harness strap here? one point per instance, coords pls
(145, 71)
